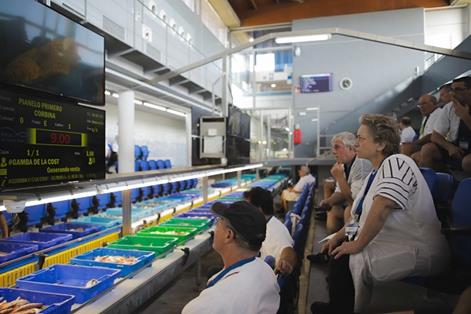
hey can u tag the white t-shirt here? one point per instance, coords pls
(250, 288)
(410, 242)
(359, 171)
(431, 121)
(408, 135)
(448, 123)
(277, 238)
(299, 187)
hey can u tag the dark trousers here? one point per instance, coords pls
(341, 289)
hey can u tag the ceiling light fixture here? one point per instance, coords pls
(302, 39)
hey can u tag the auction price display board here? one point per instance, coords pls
(48, 141)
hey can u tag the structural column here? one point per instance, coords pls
(126, 149)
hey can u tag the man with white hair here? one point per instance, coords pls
(349, 173)
(291, 194)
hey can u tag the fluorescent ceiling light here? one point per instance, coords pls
(315, 120)
(273, 85)
(251, 39)
(107, 93)
(115, 95)
(302, 39)
(152, 106)
(177, 113)
(312, 108)
(302, 113)
(138, 102)
(287, 129)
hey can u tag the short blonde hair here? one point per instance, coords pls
(384, 130)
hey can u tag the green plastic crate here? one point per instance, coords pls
(200, 224)
(185, 233)
(159, 245)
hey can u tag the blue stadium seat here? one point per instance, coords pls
(143, 165)
(445, 188)
(147, 192)
(431, 179)
(137, 152)
(62, 209)
(8, 217)
(136, 166)
(35, 214)
(167, 164)
(118, 199)
(103, 200)
(166, 188)
(83, 204)
(174, 187)
(135, 194)
(157, 190)
(145, 152)
(298, 239)
(182, 185)
(461, 218)
(160, 164)
(152, 164)
(299, 205)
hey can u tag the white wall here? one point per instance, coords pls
(165, 137)
(447, 27)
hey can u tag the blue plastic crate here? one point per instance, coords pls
(103, 221)
(14, 250)
(144, 258)
(42, 239)
(74, 229)
(70, 279)
(54, 303)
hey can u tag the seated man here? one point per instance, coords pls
(246, 284)
(451, 138)
(395, 232)
(430, 111)
(292, 194)
(278, 242)
(349, 173)
(407, 135)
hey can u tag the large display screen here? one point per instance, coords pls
(43, 50)
(46, 142)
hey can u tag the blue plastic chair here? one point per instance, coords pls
(431, 179)
(135, 194)
(35, 214)
(461, 218)
(299, 205)
(137, 152)
(445, 187)
(103, 200)
(298, 239)
(145, 152)
(152, 165)
(118, 199)
(143, 165)
(160, 164)
(157, 190)
(83, 204)
(174, 187)
(182, 185)
(62, 209)
(167, 164)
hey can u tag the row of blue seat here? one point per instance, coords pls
(36, 215)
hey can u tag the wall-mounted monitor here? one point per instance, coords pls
(45, 51)
(316, 83)
(44, 142)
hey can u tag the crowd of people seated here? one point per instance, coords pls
(391, 231)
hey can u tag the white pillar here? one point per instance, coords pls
(126, 150)
(126, 131)
(189, 139)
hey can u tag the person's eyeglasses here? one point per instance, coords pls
(458, 89)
